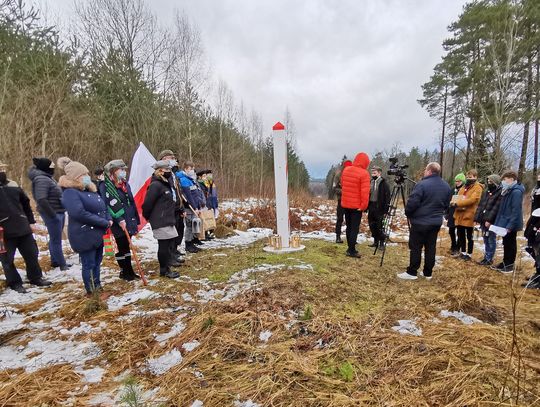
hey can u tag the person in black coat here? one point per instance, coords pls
(532, 233)
(379, 202)
(16, 218)
(116, 193)
(425, 210)
(159, 209)
(486, 214)
(48, 196)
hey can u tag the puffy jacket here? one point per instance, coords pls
(46, 192)
(160, 203)
(191, 191)
(428, 202)
(488, 207)
(510, 214)
(88, 215)
(15, 212)
(467, 205)
(355, 184)
(121, 206)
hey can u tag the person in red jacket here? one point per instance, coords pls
(355, 186)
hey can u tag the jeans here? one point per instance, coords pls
(29, 251)
(91, 268)
(180, 229)
(340, 215)
(510, 248)
(490, 244)
(465, 239)
(422, 237)
(55, 226)
(353, 217)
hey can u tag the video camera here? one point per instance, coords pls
(397, 170)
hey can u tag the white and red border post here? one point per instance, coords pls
(281, 179)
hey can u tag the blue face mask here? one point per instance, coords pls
(86, 180)
(122, 175)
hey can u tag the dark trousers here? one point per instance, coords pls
(165, 248)
(453, 238)
(353, 217)
(29, 251)
(123, 255)
(180, 229)
(422, 237)
(375, 220)
(91, 268)
(55, 225)
(510, 248)
(340, 217)
(465, 239)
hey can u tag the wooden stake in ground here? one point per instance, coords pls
(134, 253)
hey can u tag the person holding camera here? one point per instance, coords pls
(379, 202)
(355, 186)
(425, 210)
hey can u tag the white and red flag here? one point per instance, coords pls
(140, 176)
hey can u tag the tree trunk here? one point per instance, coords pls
(441, 155)
(535, 167)
(528, 106)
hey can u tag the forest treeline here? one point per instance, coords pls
(485, 91)
(120, 77)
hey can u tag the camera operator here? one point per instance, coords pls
(355, 185)
(379, 201)
(425, 209)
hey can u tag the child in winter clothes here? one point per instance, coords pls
(510, 217)
(465, 209)
(459, 181)
(118, 197)
(195, 203)
(88, 220)
(486, 214)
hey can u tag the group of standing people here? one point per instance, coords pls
(173, 203)
(496, 208)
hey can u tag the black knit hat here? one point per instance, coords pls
(43, 164)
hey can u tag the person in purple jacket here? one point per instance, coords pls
(88, 220)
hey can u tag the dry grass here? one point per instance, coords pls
(343, 353)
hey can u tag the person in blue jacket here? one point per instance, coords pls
(88, 220)
(192, 195)
(116, 193)
(510, 217)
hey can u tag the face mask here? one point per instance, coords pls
(492, 187)
(506, 184)
(374, 177)
(167, 174)
(173, 163)
(470, 181)
(192, 174)
(121, 175)
(86, 181)
(3, 178)
(209, 178)
(50, 171)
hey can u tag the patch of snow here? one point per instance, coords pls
(191, 346)
(248, 403)
(265, 336)
(160, 365)
(197, 403)
(11, 321)
(460, 315)
(115, 303)
(93, 375)
(53, 352)
(175, 330)
(187, 297)
(407, 327)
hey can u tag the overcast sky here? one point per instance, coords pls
(350, 71)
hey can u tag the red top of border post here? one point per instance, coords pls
(278, 126)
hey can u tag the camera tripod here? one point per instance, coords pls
(398, 191)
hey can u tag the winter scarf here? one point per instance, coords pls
(117, 202)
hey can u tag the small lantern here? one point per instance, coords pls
(276, 242)
(295, 241)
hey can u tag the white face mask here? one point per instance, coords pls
(86, 180)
